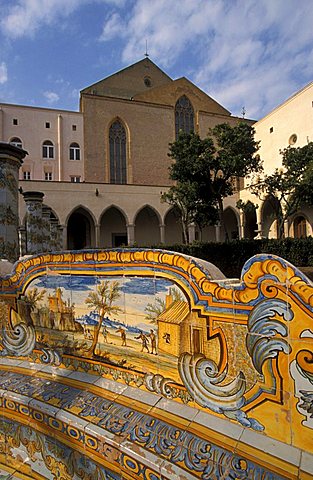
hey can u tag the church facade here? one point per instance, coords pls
(103, 169)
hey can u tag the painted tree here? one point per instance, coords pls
(204, 171)
(290, 186)
(102, 300)
(32, 298)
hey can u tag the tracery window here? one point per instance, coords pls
(117, 140)
(184, 116)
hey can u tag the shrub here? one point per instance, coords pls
(230, 257)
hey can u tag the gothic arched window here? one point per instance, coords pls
(184, 116)
(117, 139)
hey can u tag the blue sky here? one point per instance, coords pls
(252, 53)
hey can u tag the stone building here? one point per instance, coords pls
(102, 170)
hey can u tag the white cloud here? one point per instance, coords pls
(52, 97)
(3, 73)
(25, 17)
(241, 52)
(112, 27)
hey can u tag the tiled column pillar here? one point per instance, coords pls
(162, 233)
(259, 222)
(130, 234)
(11, 158)
(62, 237)
(54, 234)
(242, 225)
(192, 232)
(286, 228)
(46, 233)
(97, 231)
(218, 233)
(22, 241)
(34, 234)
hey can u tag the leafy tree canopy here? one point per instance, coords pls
(204, 171)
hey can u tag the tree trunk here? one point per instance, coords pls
(184, 225)
(221, 217)
(96, 332)
(281, 227)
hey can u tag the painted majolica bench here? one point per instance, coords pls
(149, 364)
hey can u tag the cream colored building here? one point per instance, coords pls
(53, 139)
(289, 124)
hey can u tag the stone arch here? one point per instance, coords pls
(80, 229)
(173, 228)
(270, 211)
(147, 226)
(300, 227)
(231, 223)
(113, 230)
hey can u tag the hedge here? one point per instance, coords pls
(230, 257)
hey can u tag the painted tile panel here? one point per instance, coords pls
(161, 326)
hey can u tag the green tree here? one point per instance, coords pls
(290, 186)
(205, 170)
(236, 156)
(102, 300)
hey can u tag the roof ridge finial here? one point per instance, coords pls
(146, 54)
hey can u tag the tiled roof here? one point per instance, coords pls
(175, 313)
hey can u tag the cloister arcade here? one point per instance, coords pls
(136, 216)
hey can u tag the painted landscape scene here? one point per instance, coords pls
(116, 321)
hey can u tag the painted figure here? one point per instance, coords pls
(153, 342)
(123, 336)
(144, 341)
(105, 332)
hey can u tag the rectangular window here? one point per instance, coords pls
(47, 124)
(74, 151)
(74, 128)
(26, 175)
(47, 151)
(15, 121)
(271, 129)
(48, 176)
(75, 179)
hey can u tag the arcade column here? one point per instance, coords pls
(34, 223)
(11, 158)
